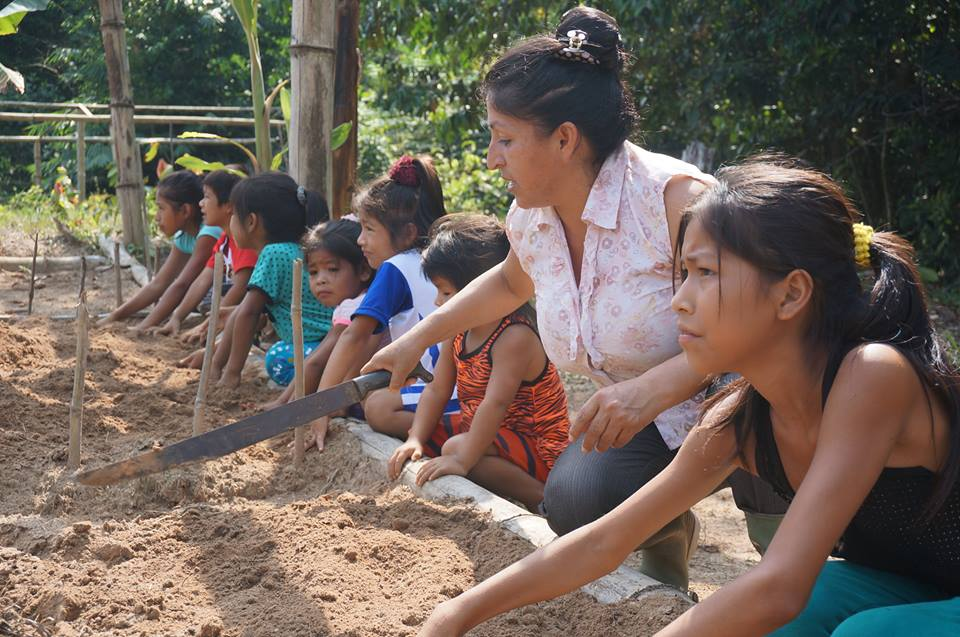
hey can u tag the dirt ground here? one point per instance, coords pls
(241, 545)
(238, 546)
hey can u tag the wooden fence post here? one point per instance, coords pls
(345, 104)
(76, 402)
(33, 272)
(117, 280)
(82, 159)
(199, 406)
(311, 93)
(36, 162)
(296, 316)
(122, 130)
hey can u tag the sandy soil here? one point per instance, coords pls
(239, 546)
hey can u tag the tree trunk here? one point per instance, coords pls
(125, 150)
(345, 104)
(311, 94)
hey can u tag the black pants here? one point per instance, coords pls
(582, 487)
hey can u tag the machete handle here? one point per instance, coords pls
(381, 378)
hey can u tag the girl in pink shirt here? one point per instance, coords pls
(592, 231)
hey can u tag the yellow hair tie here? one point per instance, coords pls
(862, 237)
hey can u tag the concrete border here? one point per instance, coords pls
(623, 583)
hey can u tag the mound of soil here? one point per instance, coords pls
(241, 545)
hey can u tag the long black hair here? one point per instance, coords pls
(183, 188)
(780, 216)
(285, 210)
(534, 81)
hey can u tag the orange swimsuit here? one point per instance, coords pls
(534, 429)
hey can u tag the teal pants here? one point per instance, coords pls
(849, 600)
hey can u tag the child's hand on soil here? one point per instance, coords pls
(317, 434)
(106, 320)
(229, 379)
(171, 328)
(410, 450)
(195, 335)
(442, 466)
(194, 360)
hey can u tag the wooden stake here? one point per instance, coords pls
(33, 273)
(116, 272)
(83, 275)
(296, 316)
(199, 406)
(76, 403)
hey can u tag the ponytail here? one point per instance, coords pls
(287, 210)
(410, 193)
(780, 217)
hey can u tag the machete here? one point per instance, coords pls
(246, 432)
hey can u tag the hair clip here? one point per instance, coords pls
(575, 41)
(302, 196)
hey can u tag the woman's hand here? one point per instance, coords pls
(442, 622)
(399, 358)
(614, 414)
(411, 450)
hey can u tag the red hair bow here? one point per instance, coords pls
(404, 172)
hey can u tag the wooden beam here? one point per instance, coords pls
(345, 104)
(197, 120)
(312, 57)
(126, 152)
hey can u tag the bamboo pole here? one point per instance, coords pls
(116, 273)
(192, 120)
(199, 406)
(36, 162)
(345, 104)
(33, 272)
(122, 129)
(312, 56)
(296, 316)
(76, 402)
(82, 159)
(83, 277)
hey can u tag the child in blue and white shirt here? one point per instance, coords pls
(395, 212)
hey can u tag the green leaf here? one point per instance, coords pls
(277, 159)
(12, 14)
(198, 165)
(285, 105)
(197, 135)
(151, 153)
(928, 275)
(340, 135)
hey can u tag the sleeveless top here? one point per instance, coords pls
(885, 532)
(539, 409)
(617, 323)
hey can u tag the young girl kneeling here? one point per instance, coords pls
(179, 218)
(395, 212)
(514, 421)
(339, 278)
(270, 215)
(848, 406)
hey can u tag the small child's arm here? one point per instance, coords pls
(312, 367)
(239, 288)
(174, 294)
(198, 289)
(346, 356)
(512, 355)
(152, 291)
(429, 411)
(238, 337)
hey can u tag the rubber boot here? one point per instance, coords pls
(761, 527)
(666, 555)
